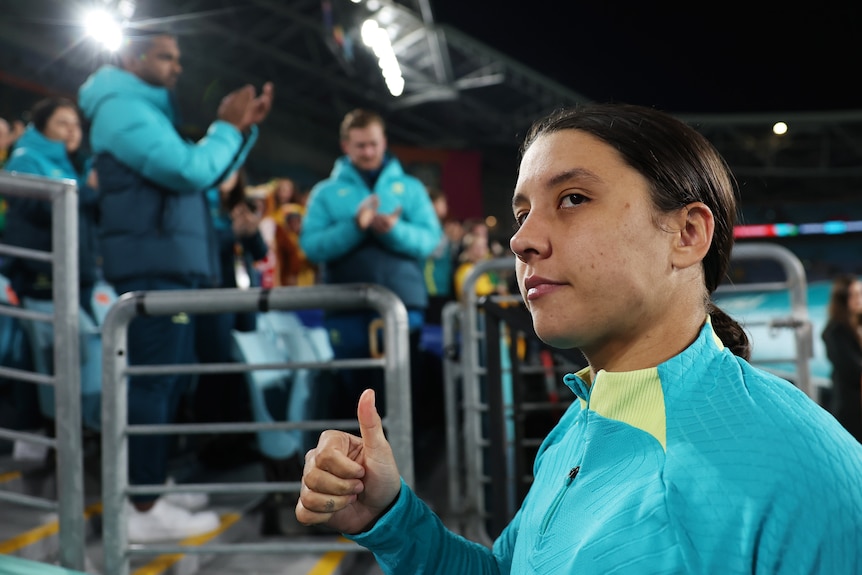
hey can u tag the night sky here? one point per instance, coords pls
(706, 57)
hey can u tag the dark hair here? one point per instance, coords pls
(681, 167)
(435, 193)
(839, 309)
(359, 118)
(42, 111)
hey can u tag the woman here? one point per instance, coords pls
(292, 265)
(841, 337)
(678, 456)
(51, 147)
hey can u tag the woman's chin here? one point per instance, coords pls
(555, 338)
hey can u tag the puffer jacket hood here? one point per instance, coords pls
(110, 81)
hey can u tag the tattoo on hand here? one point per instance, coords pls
(330, 505)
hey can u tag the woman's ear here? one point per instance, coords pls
(696, 225)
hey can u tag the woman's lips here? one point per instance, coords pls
(537, 287)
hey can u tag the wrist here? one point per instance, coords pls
(370, 525)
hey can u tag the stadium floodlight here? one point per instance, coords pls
(126, 9)
(102, 27)
(105, 24)
(376, 37)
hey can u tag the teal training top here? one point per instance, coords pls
(703, 464)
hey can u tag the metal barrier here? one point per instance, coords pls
(471, 433)
(116, 430)
(450, 318)
(66, 379)
(796, 285)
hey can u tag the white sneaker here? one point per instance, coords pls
(189, 501)
(166, 521)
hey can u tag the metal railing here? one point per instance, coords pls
(474, 405)
(66, 377)
(477, 435)
(796, 285)
(116, 430)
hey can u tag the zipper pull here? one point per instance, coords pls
(573, 472)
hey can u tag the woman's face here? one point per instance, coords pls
(854, 297)
(64, 125)
(478, 249)
(592, 263)
(284, 192)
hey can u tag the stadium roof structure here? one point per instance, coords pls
(457, 92)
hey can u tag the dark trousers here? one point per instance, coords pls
(348, 334)
(154, 399)
(349, 337)
(218, 397)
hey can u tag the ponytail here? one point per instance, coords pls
(729, 332)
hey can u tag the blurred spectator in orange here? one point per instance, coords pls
(292, 266)
(9, 134)
(276, 193)
(475, 248)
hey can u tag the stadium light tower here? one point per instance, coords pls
(376, 37)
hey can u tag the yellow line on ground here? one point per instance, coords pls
(28, 538)
(329, 562)
(43, 531)
(164, 562)
(10, 476)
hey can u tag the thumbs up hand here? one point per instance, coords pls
(348, 481)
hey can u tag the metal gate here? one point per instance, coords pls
(116, 430)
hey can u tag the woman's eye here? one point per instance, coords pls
(520, 219)
(572, 200)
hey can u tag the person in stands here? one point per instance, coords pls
(156, 234)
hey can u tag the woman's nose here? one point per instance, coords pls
(529, 241)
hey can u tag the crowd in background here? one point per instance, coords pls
(369, 221)
(257, 235)
(252, 237)
(278, 204)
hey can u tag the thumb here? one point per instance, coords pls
(268, 90)
(370, 424)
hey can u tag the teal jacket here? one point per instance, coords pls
(152, 181)
(29, 220)
(703, 464)
(395, 260)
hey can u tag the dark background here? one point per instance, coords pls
(704, 57)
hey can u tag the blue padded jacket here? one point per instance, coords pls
(152, 181)
(394, 260)
(28, 221)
